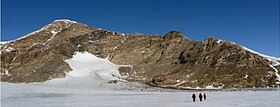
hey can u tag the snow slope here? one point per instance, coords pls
(86, 64)
(274, 61)
(89, 71)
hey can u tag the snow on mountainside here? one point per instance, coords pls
(88, 71)
(67, 22)
(91, 72)
(86, 64)
(274, 60)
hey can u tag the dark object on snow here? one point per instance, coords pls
(200, 97)
(193, 97)
(204, 96)
(113, 82)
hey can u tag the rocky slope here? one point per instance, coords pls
(171, 60)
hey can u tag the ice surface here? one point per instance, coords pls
(41, 95)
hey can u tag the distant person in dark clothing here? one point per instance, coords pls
(204, 96)
(193, 97)
(200, 97)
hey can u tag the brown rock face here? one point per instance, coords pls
(171, 60)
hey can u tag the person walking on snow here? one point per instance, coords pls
(193, 97)
(204, 96)
(200, 97)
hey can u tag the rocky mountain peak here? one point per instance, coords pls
(211, 39)
(174, 34)
(61, 24)
(64, 20)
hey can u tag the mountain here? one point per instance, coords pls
(171, 60)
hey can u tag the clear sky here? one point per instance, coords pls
(252, 23)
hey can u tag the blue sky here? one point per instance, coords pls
(252, 23)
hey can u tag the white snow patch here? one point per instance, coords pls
(32, 46)
(6, 72)
(212, 87)
(180, 83)
(15, 57)
(276, 73)
(54, 32)
(87, 65)
(91, 73)
(68, 22)
(108, 57)
(115, 48)
(4, 42)
(274, 62)
(246, 76)
(219, 41)
(9, 49)
(65, 20)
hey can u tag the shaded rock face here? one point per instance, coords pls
(179, 62)
(171, 60)
(125, 71)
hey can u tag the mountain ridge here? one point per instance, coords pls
(171, 60)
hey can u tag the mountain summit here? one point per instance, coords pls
(172, 60)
